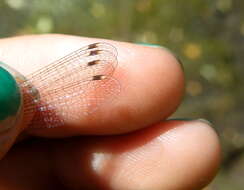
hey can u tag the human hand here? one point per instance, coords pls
(125, 144)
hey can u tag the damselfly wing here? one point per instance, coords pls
(71, 87)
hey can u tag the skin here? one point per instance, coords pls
(127, 144)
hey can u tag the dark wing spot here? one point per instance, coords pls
(95, 52)
(98, 77)
(91, 46)
(91, 63)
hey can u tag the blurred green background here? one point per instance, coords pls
(208, 36)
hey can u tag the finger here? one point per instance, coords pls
(151, 83)
(27, 166)
(11, 105)
(171, 155)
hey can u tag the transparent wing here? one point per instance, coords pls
(94, 59)
(71, 87)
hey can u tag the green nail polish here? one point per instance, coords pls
(149, 45)
(10, 96)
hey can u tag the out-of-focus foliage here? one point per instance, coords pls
(208, 36)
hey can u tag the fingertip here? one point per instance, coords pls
(181, 155)
(152, 81)
(196, 148)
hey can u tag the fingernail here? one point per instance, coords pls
(10, 99)
(180, 62)
(181, 119)
(205, 121)
(159, 46)
(190, 119)
(149, 45)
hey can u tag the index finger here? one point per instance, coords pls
(151, 81)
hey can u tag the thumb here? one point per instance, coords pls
(11, 107)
